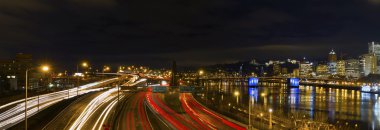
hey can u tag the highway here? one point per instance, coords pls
(173, 119)
(205, 117)
(195, 116)
(13, 112)
(114, 108)
(133, 114)
(97, 114)
(66, 117)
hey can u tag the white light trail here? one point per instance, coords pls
(15, 114)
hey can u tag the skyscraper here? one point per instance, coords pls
(322, 70)
(332, 56)
(332, 64)
(276, 69)
(374, 47)
(352, 68)
(306, 68)
(368, 64)
(341, 68)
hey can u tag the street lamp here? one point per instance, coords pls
(201, 72)
(84, 65)
(105, 69)
(44, 68)
(236, 93)
(270, 118)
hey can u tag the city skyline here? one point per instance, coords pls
(189, 64)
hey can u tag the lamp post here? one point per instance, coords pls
(200, 73)
(270, 118)
(237, 93)
(44, 69)
(84, 65)
(261, 118)
(105, 69)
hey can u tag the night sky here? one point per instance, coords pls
(193, 32)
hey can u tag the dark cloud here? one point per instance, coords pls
(192, 32)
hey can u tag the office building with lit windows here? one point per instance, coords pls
(368, 64)
(332, 63)
(352, 69)
(374, 47)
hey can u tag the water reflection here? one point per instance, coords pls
(336, 106)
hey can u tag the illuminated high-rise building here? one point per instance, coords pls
(341, 67)
(276, 69)
(368, 64)
(332, 56)
(322, 70)
(332, 64)
(353, 68)
(296, 72)
(374, 47)
(306, 68)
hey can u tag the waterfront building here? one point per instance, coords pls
(306, 68)
(341, 68)
(352, 68)
(284, 70)
(276, 69)
(332, 64)
(368, 64)
(374, 47)
(296, 73)
(322, 70)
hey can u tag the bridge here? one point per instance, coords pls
(330, 83)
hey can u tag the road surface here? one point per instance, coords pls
(13, 112)
(205, 117)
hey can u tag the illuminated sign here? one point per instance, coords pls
(293, 82)
(253, 82)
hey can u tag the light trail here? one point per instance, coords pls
(174, 119)
(162, 113)
(92, 107)
(15, 114)
(192, 106)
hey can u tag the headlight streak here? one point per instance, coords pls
(91, 108)
(15, 115)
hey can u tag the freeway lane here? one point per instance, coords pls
(133, 114)
(70, 113)
(173, 119)
(14, 112)
(206, 117)
(98, 113)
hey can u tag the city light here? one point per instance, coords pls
(236, 93)
(201, 72)
(253, 82)
(45, 68)
(84, 64)
(239, 65)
